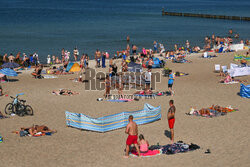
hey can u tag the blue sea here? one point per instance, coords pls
(47, 26)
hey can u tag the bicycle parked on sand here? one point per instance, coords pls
(18, 107)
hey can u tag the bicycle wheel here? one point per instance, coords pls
(9, 109)
(29, 110)
(19, 110)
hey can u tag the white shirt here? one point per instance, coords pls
(48, 60)
(148, 76)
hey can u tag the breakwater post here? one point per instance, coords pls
(204, 16)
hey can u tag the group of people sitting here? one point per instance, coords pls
(35, 130)
(214, 110)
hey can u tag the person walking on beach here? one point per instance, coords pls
(171, 119)
(171, 82)
(132, 131)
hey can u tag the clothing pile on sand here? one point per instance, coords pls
(213, 111)
(178, 147)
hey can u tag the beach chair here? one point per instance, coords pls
(205, 55)
(217, 68)
(224, 69)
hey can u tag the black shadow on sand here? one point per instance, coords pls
(167, 134)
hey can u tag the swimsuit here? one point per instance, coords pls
(144, 148)
(132, 139)
(171, 123)
(172, 120)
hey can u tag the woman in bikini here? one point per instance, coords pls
(143, 144)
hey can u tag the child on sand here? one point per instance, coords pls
(143, 144)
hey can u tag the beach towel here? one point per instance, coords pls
(49, 77)
(144, 95)
(150, 153)
(117, 100)
(233, 82)
(179, 74)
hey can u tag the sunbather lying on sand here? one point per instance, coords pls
(34, 130)
(227, 79)
(64, 92)
(221, 109)
(144, 92)
(211, 111)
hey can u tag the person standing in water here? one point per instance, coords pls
(171, 119)
(132, 131)
(98, 55)
(128, 39)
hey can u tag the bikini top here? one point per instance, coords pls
(144, 147)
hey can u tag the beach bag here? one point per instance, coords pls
(23, 133)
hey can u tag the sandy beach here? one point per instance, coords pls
(227, 136)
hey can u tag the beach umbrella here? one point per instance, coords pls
(10, 65)
(8, 72)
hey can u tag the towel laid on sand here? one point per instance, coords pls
(150, 153)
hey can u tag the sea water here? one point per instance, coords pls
(47, 26)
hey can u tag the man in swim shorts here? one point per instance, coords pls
(132, 132)
(171, 119)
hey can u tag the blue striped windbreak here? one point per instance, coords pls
(112, 122)
(8, 72)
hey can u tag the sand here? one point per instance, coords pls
(227, 137)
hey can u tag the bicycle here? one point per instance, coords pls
(18, 107)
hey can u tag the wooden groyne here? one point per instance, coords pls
(205, 16)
